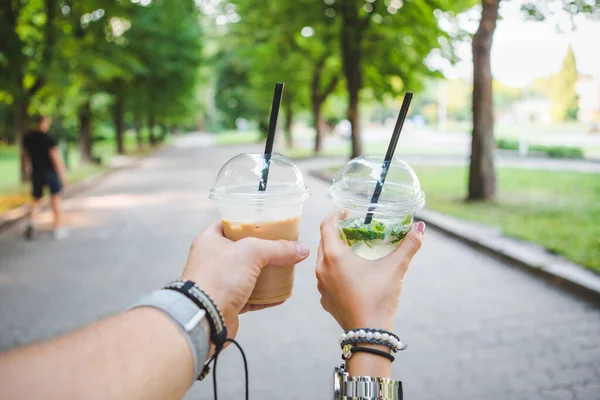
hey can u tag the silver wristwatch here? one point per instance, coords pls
(347, 387)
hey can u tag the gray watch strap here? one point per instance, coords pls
(187, 315)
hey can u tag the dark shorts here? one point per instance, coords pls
(45, 178)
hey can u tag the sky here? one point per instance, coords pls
(524, 50)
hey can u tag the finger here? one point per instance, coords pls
(216, 228)
(258, 307)
(320, 254)
(330, 234)
(213, 230)
(409, 246)
(278, 252)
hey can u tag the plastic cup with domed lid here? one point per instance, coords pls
(390, 218)
(271, 214)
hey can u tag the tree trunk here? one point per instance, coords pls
(316, 101)
(151, 124)
(482, 175)
(289, 120)
(138, 132)
(316, 110)
(118, 121)
(354, 119)
(163, 132)
(21, 119)
(85, 132)
(351, 33)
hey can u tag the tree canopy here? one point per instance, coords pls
(565, 102)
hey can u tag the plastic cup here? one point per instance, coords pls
(401, 196)
(271, 214)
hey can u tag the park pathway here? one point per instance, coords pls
(477, 328)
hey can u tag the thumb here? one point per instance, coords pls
(410, 245)
(281, 252)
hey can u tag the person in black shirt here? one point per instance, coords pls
(46, 168)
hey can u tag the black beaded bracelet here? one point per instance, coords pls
(218, 330)
(372, 351)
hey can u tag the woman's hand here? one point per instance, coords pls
(227, 271)
(361, 293)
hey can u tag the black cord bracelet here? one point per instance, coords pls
(373, 351)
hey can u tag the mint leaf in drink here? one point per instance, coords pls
(376, 233)
(364, 233)
(398, 232)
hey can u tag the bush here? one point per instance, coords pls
(560, 151)
(507, 144)
(550, 151)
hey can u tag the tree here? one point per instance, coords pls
(482, 174)
(302, 52)
(166, 37)
(565, 102)
(26, 26)
(384, 48)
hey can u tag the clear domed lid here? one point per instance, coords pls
(355, 183)
(239, 179)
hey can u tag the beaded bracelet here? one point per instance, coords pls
(371, 336)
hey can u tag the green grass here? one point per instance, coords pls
(368, 148)
(233, 137)
(558, 210)
(14, 194)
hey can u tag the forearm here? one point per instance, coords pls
(59, 165)
(140, 354)
(62, 170)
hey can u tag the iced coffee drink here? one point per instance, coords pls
(271, 214)
(371, 230)
(276, 281)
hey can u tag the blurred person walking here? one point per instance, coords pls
(45, 167)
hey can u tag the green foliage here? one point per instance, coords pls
(266, 46)
(58, 55)
(565, 102)
(550, 151)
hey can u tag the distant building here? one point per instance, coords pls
(527, 111)
(588, 90)
(535, 108)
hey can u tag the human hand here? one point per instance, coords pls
(227, 271)
(361, 293)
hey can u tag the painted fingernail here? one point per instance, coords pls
(420, 226)
(302, 248)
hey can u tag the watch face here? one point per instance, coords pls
(337, 383)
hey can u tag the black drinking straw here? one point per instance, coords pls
(390, 153)
(262, 186)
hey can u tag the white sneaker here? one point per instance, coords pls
(60, 233)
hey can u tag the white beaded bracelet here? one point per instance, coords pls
(371, 336)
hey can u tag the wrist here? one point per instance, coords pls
(370, 321)
(365, 364)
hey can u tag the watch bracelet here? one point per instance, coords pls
(215, 317)
(367, 388)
